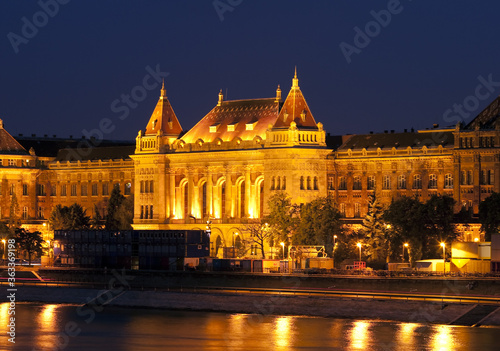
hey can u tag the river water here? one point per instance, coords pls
(70, 327)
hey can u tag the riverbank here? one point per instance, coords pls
(404, 311)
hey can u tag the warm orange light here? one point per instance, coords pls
(476, 240)
(442, 244)
(358, 245)
(406, 244)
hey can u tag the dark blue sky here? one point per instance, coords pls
(65, 77)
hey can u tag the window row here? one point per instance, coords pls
(146, 212)
(278, 183)
(309, 183)
(402, 180)
(74, 189)
(146, 186)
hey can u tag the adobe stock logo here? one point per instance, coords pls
(29, 29)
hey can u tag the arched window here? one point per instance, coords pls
(401, 181)
(261, 198)
(223, 200)
(273, 180)
(278, 183)
(308, 183)
(302, 183)
(185, 200)
(242, 200)
(283, 185)
(315, 183)
(342, 209)
(417, 181)
(204, 207)
(432, 181)
(356, 185)
(342, 183)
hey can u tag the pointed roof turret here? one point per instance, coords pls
(295, 109)
(9, 145)
(163, 119)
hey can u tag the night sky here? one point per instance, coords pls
(72, 68)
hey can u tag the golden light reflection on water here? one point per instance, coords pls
(406, 333)
(359, 335)
(47, 326)
(282, 332)
(442, 338)
(237, 328)
(4, 315)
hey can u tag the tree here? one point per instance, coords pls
(440, 228)
(125, 214)
(489, 215)
(378, 235)
(96, 220)
(115, 201)
(259, 234)
(319, 221)
(14, 220)
(407, 220)
(30, 242)
(282, 217)
(73, 217)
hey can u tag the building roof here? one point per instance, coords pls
(295, 109)
(430, 138)
(96, 153)
(488, 118)
(9, 145)
(163, 118)
(245, 119)
(49, 146)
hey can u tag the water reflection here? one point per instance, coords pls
(282, 332)
(443, 338)
(47, 325)
(406, 333)
(359, 335)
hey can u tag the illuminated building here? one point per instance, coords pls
(227, 166)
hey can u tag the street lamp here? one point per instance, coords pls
(359, 246)
(234, 252)
(283, 247)
(405, 245)
(444, 257)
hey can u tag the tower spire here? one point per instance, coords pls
(163, 90)
(295, 81)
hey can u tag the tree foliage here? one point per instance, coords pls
(378, 236)
(69, 218)
(30, 242)
(120, 211)
(319, 222)
(489, 215)
(282, 217)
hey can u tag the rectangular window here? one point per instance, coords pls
(386, 182)
(53, 190)
(25, 189)
(470, 179)
(357, 210)
(371, 183)
(342, 209)
(448, 181)
(84, 189)
(12, 162)
(40, 189)
(73, 189)
(331, 183)
(151, 186)
(342, 183)
(356, 185)
(63, 190)
(492, 177)
(105, 189)
(12, 189)
(25, 212)
(40, 213)
(94, 189)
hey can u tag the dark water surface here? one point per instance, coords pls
(70, 327)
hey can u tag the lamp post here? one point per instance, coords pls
(405, 245)
(234, 252)
(444, 257)
(359, 246)
(283, 247)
